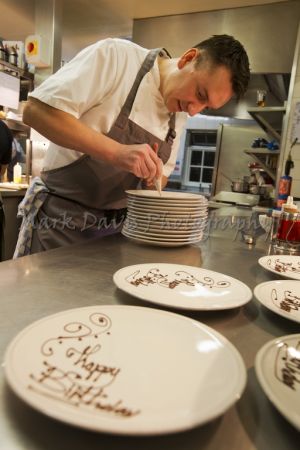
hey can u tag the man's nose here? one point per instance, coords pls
(195, 108)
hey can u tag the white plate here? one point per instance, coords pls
(161, 240)
(182, 287)
(166, 216)
(171, 203)
(130, 225)
(170, 226)
(168, 212)
(182, 196)
(285, 265)
(165, 209)
(281, 297)
(140, 232)
(277, 368)
(160, 243)
(125, 370)
(167, 219)
(165, 234)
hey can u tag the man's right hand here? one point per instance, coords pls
(139, 159)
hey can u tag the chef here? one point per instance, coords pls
(114, 115)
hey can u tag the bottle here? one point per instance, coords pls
(17, 173)
(289, 223)
(284, 190)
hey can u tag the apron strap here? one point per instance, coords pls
(145, 68)
(127, 107)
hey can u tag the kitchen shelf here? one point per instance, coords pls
(270, 119)
(266, 158)
(12, 68)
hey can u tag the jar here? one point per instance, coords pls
(289, 227)
(288, 234)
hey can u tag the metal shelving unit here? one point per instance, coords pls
(267, 159)
(12, 69)
(270, 119)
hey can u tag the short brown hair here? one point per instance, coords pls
(224, 50)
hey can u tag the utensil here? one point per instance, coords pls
(157, 181)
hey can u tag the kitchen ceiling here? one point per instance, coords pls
(17, 16)
(85, 21)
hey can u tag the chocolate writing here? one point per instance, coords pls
(78, 331)
(282, 266)
(180, 277)
(287, 365)
(93, 370)
(290, 302)
(75, 375)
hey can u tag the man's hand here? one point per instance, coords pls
(139, 159)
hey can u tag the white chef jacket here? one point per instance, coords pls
(93, 87)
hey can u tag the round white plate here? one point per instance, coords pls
(281, 297)
(161, 239)
(125, 370)
(165, 209)
(165, 234)
(166, 216)
(285, 265)
(132, 226)
(167, 219)
(159, 243)
(165, 195)
(277, 366)
(159, 234)
(170, 203)
(170, 226)
(182, 287)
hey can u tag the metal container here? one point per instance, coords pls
(240, 186)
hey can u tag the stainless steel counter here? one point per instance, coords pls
(38, 285)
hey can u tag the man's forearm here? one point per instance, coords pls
(65, 130)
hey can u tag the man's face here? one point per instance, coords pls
(191, 90)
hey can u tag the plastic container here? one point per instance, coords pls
(17, 173)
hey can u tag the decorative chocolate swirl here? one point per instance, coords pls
(78, 331)
(290, 302)
(287, 365)
(153, 276)
(283, 267)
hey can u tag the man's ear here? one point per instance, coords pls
(187, 57)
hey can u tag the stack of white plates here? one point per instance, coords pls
(170, 220)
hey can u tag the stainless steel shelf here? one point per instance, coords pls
(12, 68)
(270, 119)
(267, 159)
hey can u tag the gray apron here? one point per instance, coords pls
(87, 198)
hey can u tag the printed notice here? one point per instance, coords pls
(9, 90)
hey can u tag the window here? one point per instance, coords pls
(200, 154)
